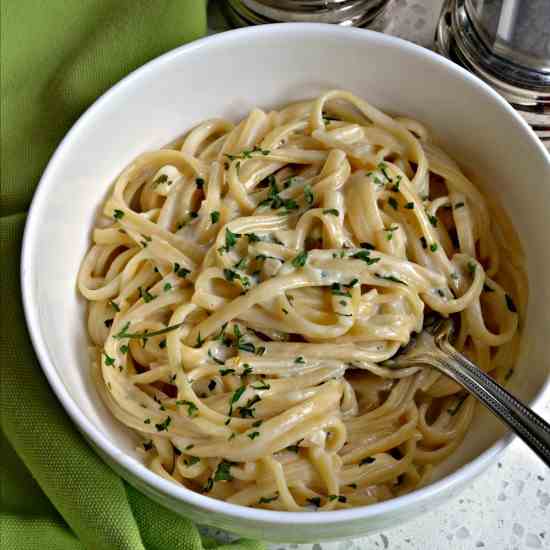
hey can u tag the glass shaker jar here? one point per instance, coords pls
(507, 44)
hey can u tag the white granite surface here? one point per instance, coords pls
(508, 507)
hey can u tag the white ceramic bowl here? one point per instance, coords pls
(226, 75)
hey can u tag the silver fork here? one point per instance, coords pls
(432, 348)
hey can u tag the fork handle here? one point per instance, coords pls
(528, 425)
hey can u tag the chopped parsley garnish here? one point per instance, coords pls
(235, 397)
(223, 472)
(262, 386)
(433, 247)
(124, 349)
(181, 271)
(331, 211)
(108, 322)
(214, 217)
(144, 335)
(167, 287)
(252, 237)
(390, 278)
(162, 344)
(300, 360)
(316, 501)
(230, 239)
(253, 435)
(432, 220)
(336, 290)
(247, 153)
(247, 369)
(389, 232)
(458, 205)
(383, 168)
(200, 341)
(114, 305)
(364, 255)
(308, 194)
(163, 178)
(109, 361)
(208, 487)
(409, 205)
(231, 276)
(118, 214)
(393, 203)
(215, 359)
(471, 267)
(510, 303)
(257, 424)
(147, 421)
(225, 372)
(191, 460)
(339, 498)
(368, 460)
(163, 426)
(367, 246)
(199, 182)
(300, 260)
(267, 500)
(192, 409)
(146, 295)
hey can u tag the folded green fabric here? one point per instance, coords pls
(56, 58)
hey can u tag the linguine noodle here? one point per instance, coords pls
(247, 282)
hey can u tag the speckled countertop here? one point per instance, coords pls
(508, 506)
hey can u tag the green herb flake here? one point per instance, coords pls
(299, 360)
(267, 500)
(331, 211)
(253, 435)
(364, 255)
(300, 260)
(458, 205)
(409, 205)
(199, 182)
(393, 203)
(163, 426)
(146, 295)
(223, 471)
(191, 460)
(391, 278)
(316, 501)
(510, 303)
(118, 214)
(167, 287)
(308, 194)
(214, 217)
(433, 247)
(109, 361)
(192, 409)
(432, 220)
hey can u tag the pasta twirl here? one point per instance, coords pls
(246, 282)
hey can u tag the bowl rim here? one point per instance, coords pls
(131, 465)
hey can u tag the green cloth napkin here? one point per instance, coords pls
(57, 56)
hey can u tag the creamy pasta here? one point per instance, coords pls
(246, 283)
